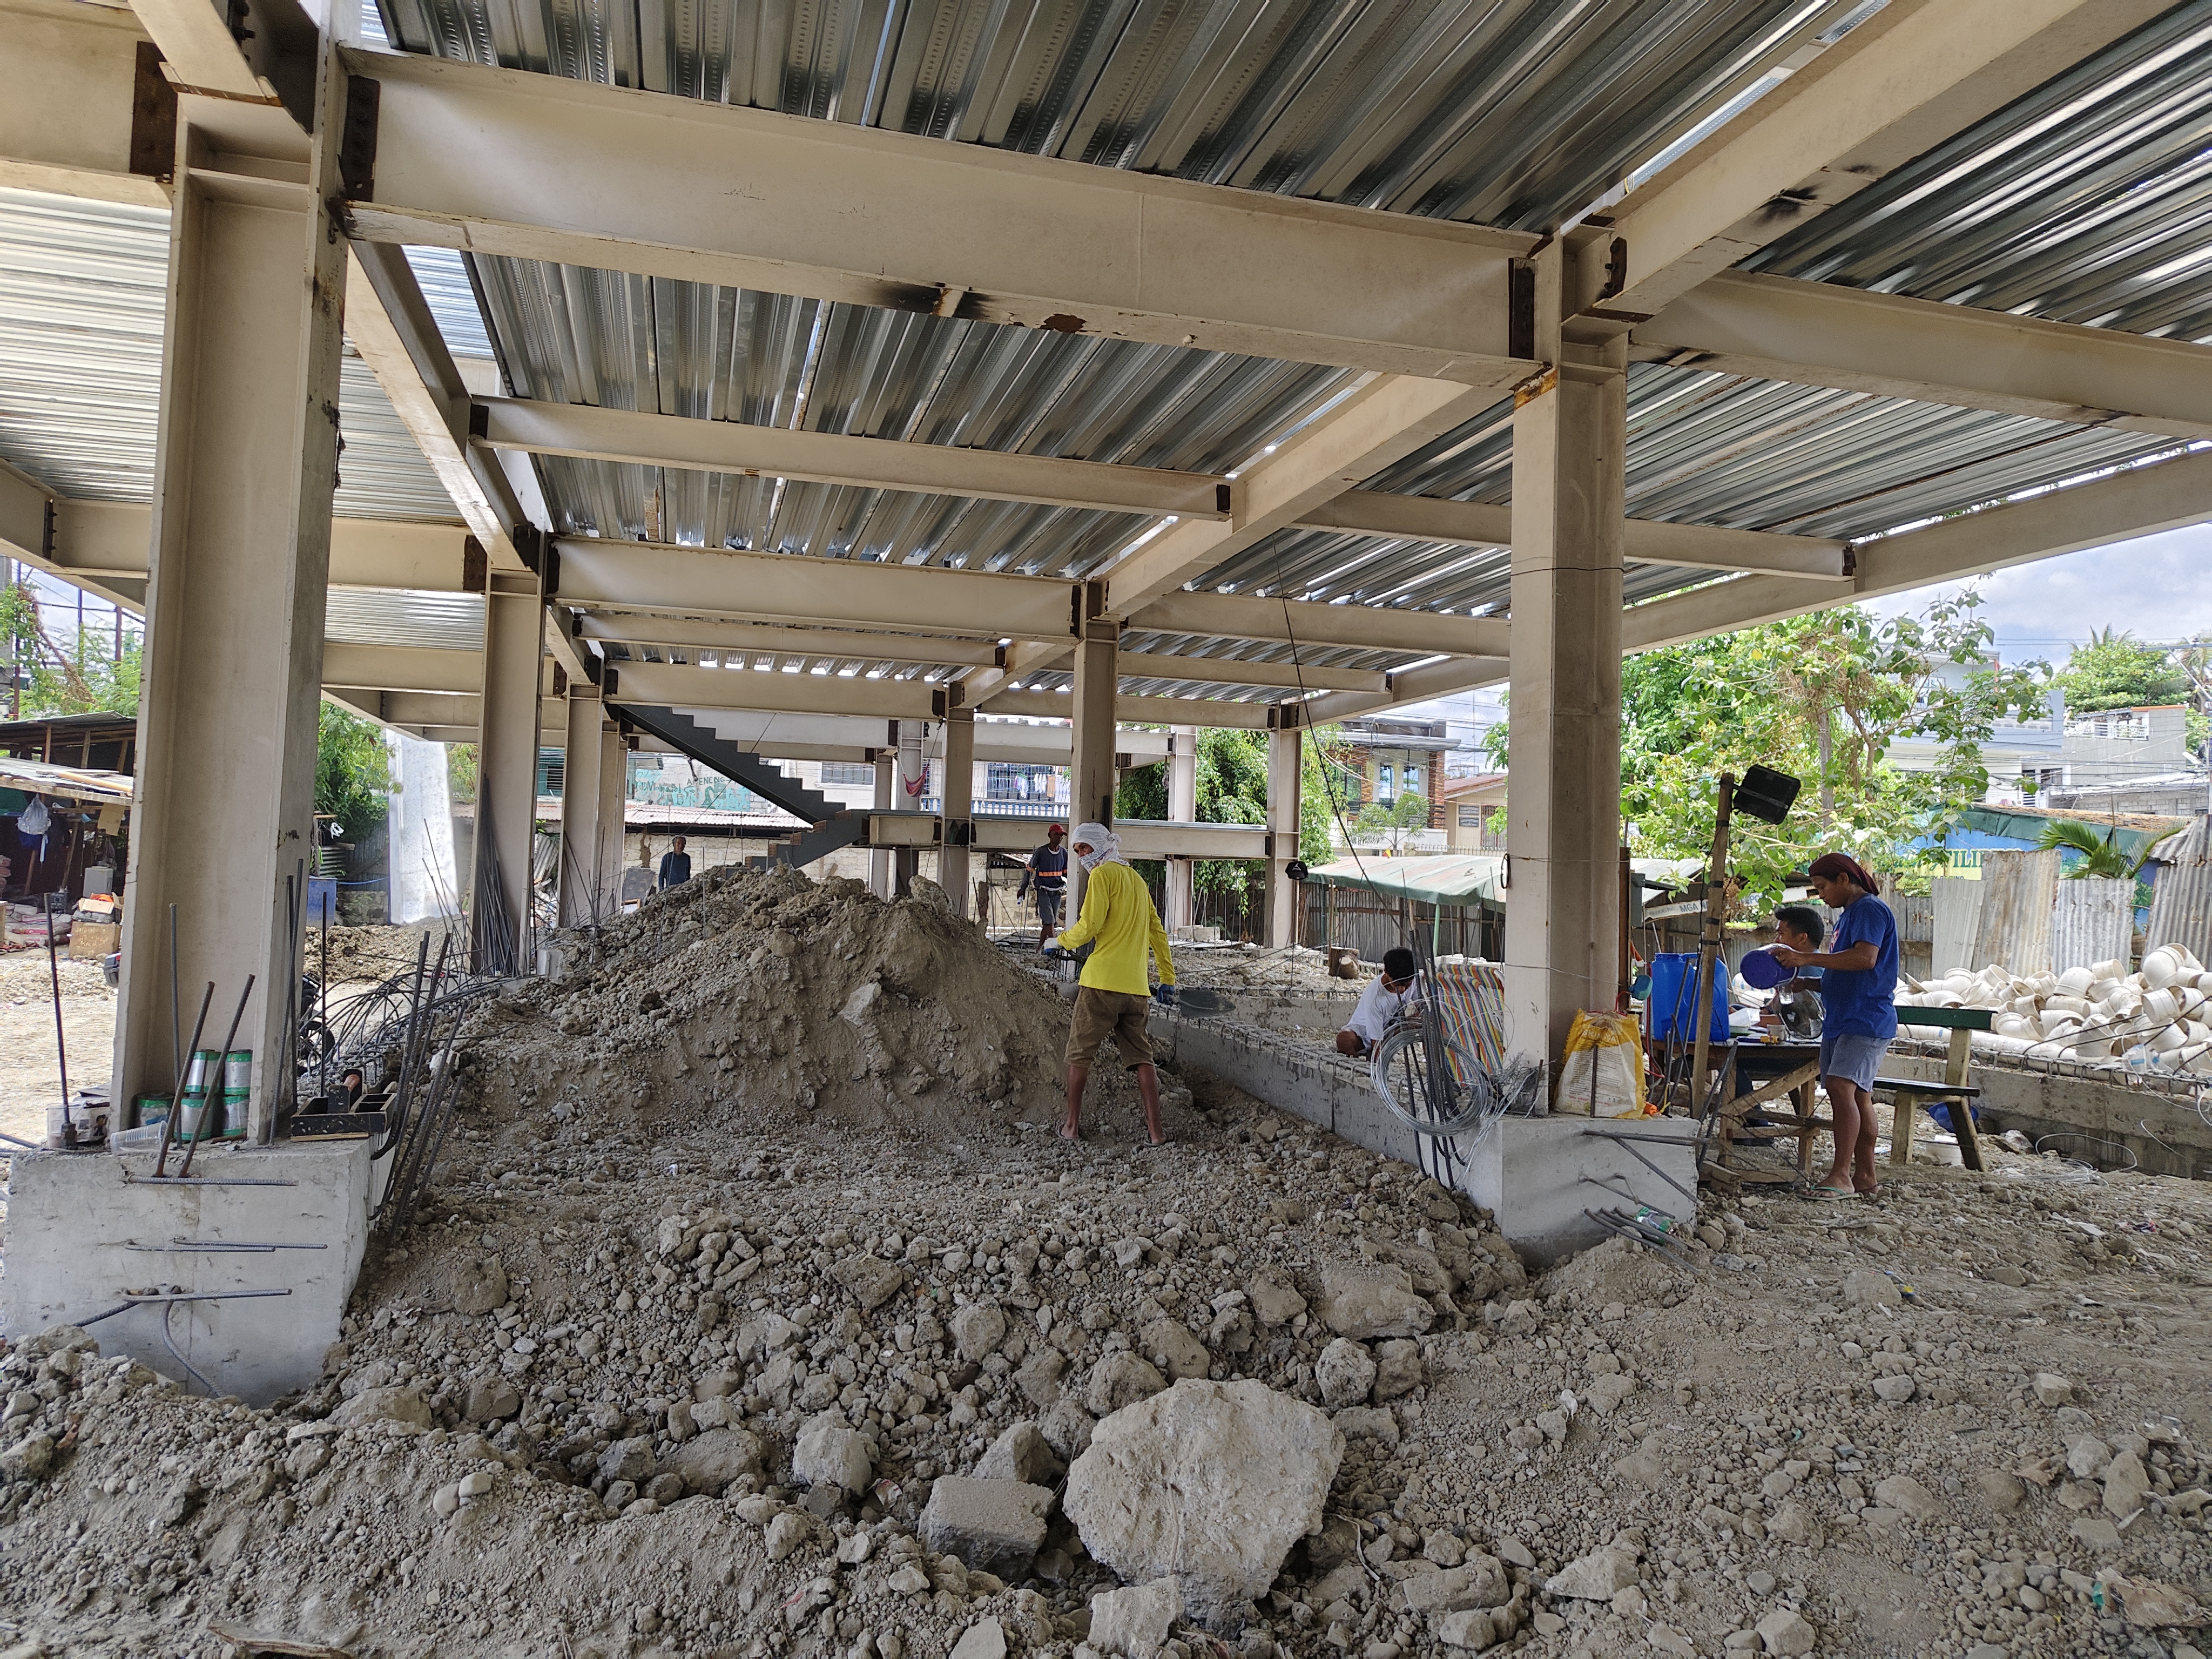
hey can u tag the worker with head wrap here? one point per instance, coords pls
(1858, 1013)
(1122, 928)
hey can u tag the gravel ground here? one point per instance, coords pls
(1967, 1419)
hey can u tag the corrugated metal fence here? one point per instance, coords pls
(2093, 921)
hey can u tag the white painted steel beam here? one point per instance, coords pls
(1819, 334)
(1380, 628)
(625, 435)
(1903, 81)
(689, 581)
(406, 668)
(1160, 711)
(822, 643)
(68, 72)
(1221, 670)
(1140, 838)
(1381, 423)
(543, 167)
(784, 735)
(676, 685)
(2140, 501)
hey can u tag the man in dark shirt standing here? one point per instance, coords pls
(675, 866)
(1048, 875)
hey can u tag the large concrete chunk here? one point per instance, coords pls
(830, 1451)
(708, 1463)
(1368, 1299)
(993, 1526)
(1208, 1483)
(1134, 1623)
(872, 1280)
(1479, 1581)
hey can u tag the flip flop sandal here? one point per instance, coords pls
(1825, 1194)
(1145, 1143)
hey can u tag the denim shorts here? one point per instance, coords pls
(1847, 1054)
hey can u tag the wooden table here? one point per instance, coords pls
(1962, 1024)
(1792, 1071)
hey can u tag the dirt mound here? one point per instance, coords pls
(1617, 1271)
(766, 1000)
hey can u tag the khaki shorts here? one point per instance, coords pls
(1100, 1014)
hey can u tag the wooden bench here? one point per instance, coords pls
(1911, 1096)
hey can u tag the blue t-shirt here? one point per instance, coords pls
(1049, 864)
(1862, 1002)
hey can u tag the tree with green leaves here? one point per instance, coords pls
(353, 775)
(1393, 818)
(1823, 697)
(88, 676)
(1232, 788)
(2115, 670)
(2098, 855)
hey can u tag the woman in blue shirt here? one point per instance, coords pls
(1858, 1011)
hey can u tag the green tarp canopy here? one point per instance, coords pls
(1452, 878)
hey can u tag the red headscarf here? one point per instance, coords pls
(1841, 866)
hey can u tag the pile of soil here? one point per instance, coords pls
(766, 999)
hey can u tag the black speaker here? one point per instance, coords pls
(1766, 794)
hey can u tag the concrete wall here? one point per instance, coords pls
(2163, 1131)
(70, 1216)
(1528, 1172)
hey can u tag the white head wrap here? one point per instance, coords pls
(1105, 846)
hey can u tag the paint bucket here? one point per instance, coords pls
(154, 1109)
(196, 1121)
(200, 1075)
(233, 1115)
(238, 1072)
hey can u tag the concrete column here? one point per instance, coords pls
(1285, 755)
(614, 801)
(1091, 773)
(957, 813)
(506, 773)
(1561, 910)
(912, 784)
(879, 858)
(245, 462)
(588, 892)
(1182, 808)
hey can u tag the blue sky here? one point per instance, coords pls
(2156, 587)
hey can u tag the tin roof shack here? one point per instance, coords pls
(80, 765)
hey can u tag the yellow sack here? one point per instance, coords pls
(1603, 1074)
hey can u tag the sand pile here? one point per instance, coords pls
(765, 999)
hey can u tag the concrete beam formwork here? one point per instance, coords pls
(1286, 756)
(1570, 438)
(507, 772)
(1182, 808)
(244, 465)
(957, 809)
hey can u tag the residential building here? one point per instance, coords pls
(1469, 804)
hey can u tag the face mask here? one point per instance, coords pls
(1093, 859)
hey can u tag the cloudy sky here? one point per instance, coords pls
(2156, 587)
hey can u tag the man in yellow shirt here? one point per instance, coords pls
(1115, 991)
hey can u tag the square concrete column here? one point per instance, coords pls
(501, 913)
(246, 460)
(1285, 758)
(957, 809)
(1182, 808)
(589, 832)
(1092, 775)
(1562, 904)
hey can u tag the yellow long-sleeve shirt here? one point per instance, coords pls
(1118, 913)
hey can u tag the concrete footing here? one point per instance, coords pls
(73, 1217)
(1535, 1175)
